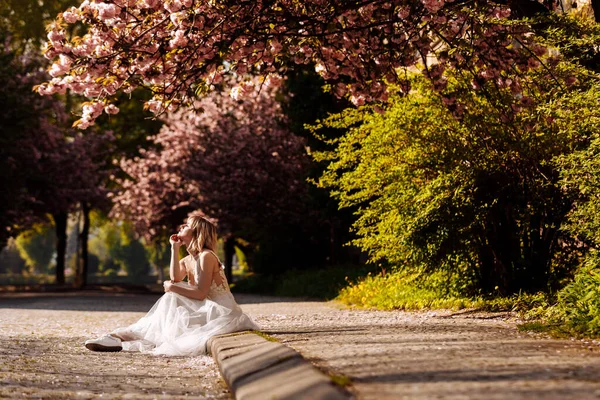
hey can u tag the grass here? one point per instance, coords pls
(340, 380)
(572, 312)
(400, 290)
(554, 330)
(265, 336)
(363, 288)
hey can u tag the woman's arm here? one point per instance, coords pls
(205, 266)
(177, 267)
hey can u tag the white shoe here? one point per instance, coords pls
(104, 343)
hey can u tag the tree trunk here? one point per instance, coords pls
(83, 237)
(333, 259)
(500, 252)
(596, 8)
(60, 224)
(229, 252)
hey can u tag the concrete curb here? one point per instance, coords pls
(258, 369)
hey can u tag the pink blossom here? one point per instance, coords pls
(276, 46)
(357, 100)
(106, 11)
(433, 5)
(179, 39)
(71, 15)
(92, 91)
(155, 106)
(342, 49)
(273, 81)
(56, 36)
(92, 109)
(501, 12)
(177, 18)
(45, 90)
(151, 3)
(571, 80)
(236, 92)
(173, 5)
(111, 109)
(60, 68)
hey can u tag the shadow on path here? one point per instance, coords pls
(96, 300)
(80, 301)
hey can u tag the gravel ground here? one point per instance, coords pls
(42, 354)
(431, 355)
(384, 355)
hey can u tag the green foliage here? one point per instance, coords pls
(438, 290)
(36, 247)
(575, 37)
(10, 259)
(265, 336)
(405, 291)
(111, 273)
(473, 192)
(324, 283)
(133, 259)
(242, 260)
(577, 310)
(27, 20)
(159, 254)
(117, 248)
(26, 279)
(581, 174)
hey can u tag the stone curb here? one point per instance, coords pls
(258, 369)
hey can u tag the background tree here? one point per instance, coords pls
(36, 246)
(25, 27)
(237, 162)
(117, 250)
(10, 259)
(47, 168)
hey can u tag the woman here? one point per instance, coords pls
(189, 313)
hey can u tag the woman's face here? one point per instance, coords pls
(185, 232)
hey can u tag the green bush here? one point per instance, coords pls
(577, 310)
(26, 279)
(476, 193)
(324, 283)
(110, 273)
(36, 246)
(420, 290)
(117, 248)
(400, 290)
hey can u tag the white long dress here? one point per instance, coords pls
(179, 326)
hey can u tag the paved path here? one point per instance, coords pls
(430, 355)
(42, 354)
(394, 355)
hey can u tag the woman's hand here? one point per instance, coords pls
(175, 241)
(167, 285)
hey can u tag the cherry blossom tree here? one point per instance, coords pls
(179, 49)
(47, 167)
(236, 161)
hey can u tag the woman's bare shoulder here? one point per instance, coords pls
(208, 255)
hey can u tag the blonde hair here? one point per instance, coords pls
(204, 233)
